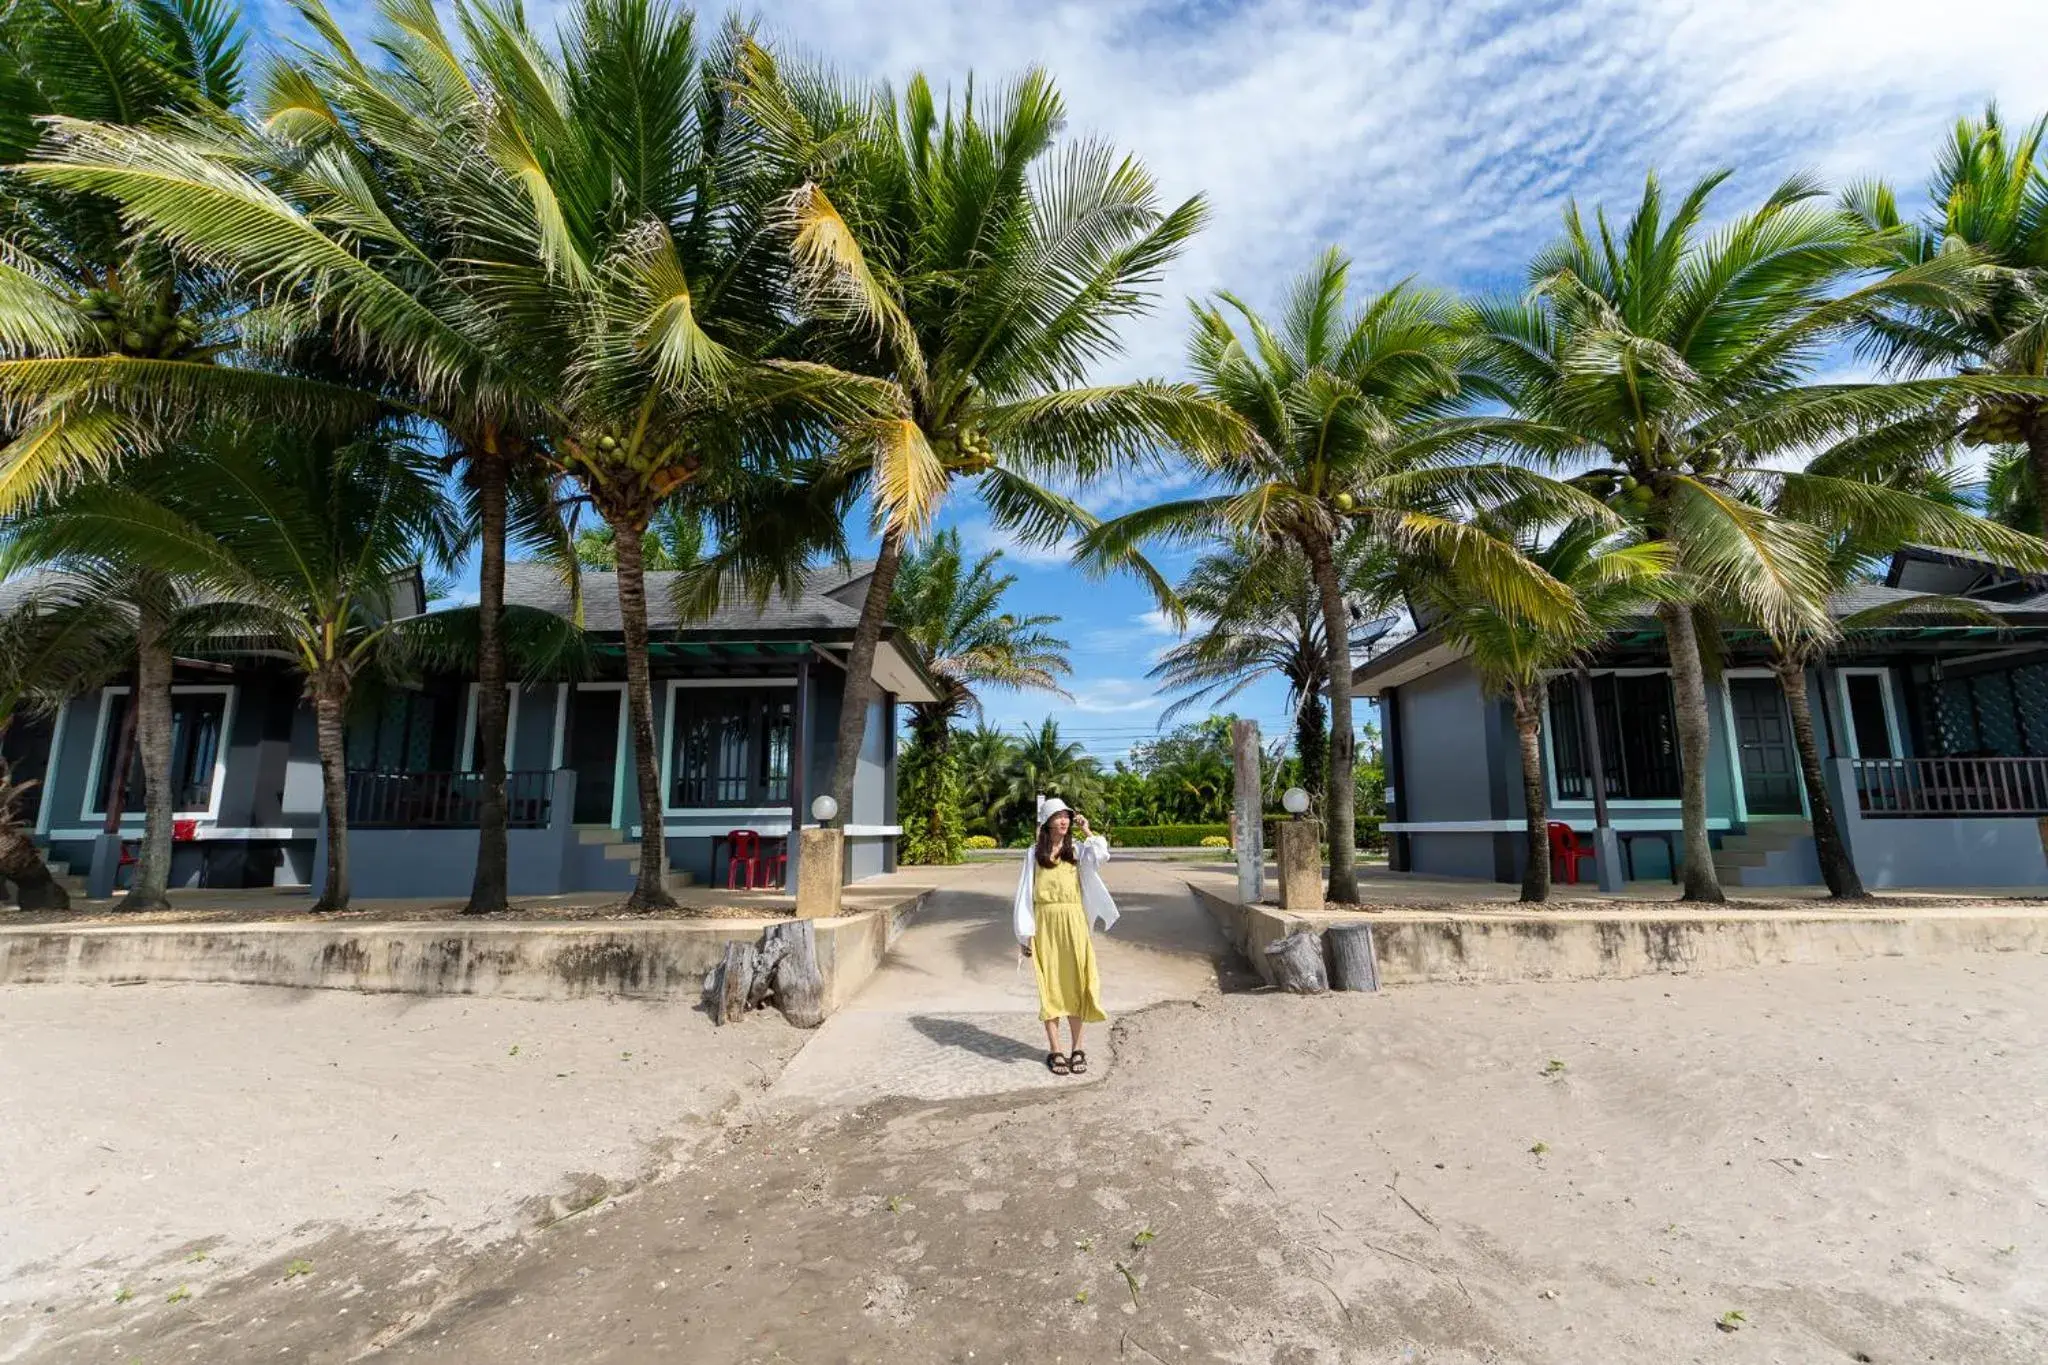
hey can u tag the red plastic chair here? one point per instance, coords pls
(1566, 853)
(777, 864)
(745, 857)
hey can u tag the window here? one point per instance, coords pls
(731, 748)
(1870, 730)
(197, 721)
(1638, 737)
(1999, 713)
(408, 732)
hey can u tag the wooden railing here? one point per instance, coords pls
(392, 800)
(1908, 787)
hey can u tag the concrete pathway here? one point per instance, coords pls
(953, 1011)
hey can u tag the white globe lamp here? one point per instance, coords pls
(1295, 800)
(824, 809)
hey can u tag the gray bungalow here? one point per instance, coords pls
(1934, 738)
(746, 707)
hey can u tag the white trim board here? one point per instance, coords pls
(1517, 826)
(469, 726)
(220, 756)
(46, 808)
(204, 834)
(1891, 714)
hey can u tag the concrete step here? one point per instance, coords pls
(597, 834)
(624, 852)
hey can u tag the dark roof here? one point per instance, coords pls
(817, 608)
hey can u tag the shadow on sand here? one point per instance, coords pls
(976, 1039)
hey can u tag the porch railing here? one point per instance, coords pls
(1908, 787)
(394, 800)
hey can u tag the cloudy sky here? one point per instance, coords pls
(1435, 138)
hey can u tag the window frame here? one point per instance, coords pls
(741, 686)
(1645, 803)
(1891, 710)
(101, 738)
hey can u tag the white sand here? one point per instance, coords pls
(142, 1119)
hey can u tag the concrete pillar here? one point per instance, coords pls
(1301, 865)
(1247, 829)
(821, 872)
(105, 872)
(1606, 859)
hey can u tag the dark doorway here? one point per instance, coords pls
(26, 746)
(1763, 737)
(591, 749)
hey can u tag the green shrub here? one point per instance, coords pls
(1165, 836)
(1216, 841)
(978, 841)
(1021, 841)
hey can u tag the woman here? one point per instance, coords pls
(1059, 892)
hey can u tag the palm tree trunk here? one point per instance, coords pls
(2037, 460)
(152, 705)
(1312, 746)
(330, 705)
(1343, 802)
(21, 862)
(1689, 684)
(650, 892)
(487, 893)
(1837, 865)
(1529, 729)
(860, 670)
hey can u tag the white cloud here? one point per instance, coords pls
(978, 537)
(1443, 139)
(1115, 696)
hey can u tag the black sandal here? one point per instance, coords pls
(1056, 1063)
(1077, 1063)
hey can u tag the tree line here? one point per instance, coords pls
(264, 317)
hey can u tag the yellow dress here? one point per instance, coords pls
(1063, 951)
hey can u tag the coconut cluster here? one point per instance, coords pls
(151, 328)
(972, 451)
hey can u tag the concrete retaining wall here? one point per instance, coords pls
(665, 960)
(1560, 947)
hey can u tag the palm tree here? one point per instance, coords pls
(951, 610)
(559, 256)
(983, 756)
(1611, 578)
(56, 641)
(1682, 362)
(290, 545)
(1263, 618)
(1988, 204)
(111, 343)
(1354, 421)
(1859, 525)
(1046, 765)
(358, 216)
(977, 275)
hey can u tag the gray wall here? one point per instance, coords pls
(1987, 851)
(1444, 719)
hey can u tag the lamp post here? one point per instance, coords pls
(821, 863)
(1301, 863)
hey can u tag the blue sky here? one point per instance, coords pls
(1435, 138)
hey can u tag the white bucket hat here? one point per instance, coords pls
(1049, 806)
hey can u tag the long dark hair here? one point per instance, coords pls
(1047, 854)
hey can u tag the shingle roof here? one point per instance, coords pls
(541, 586)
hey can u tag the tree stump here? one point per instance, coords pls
(1353, 967)
(1297, 964)
(799, 985)
(766, 958)
(735, 982)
